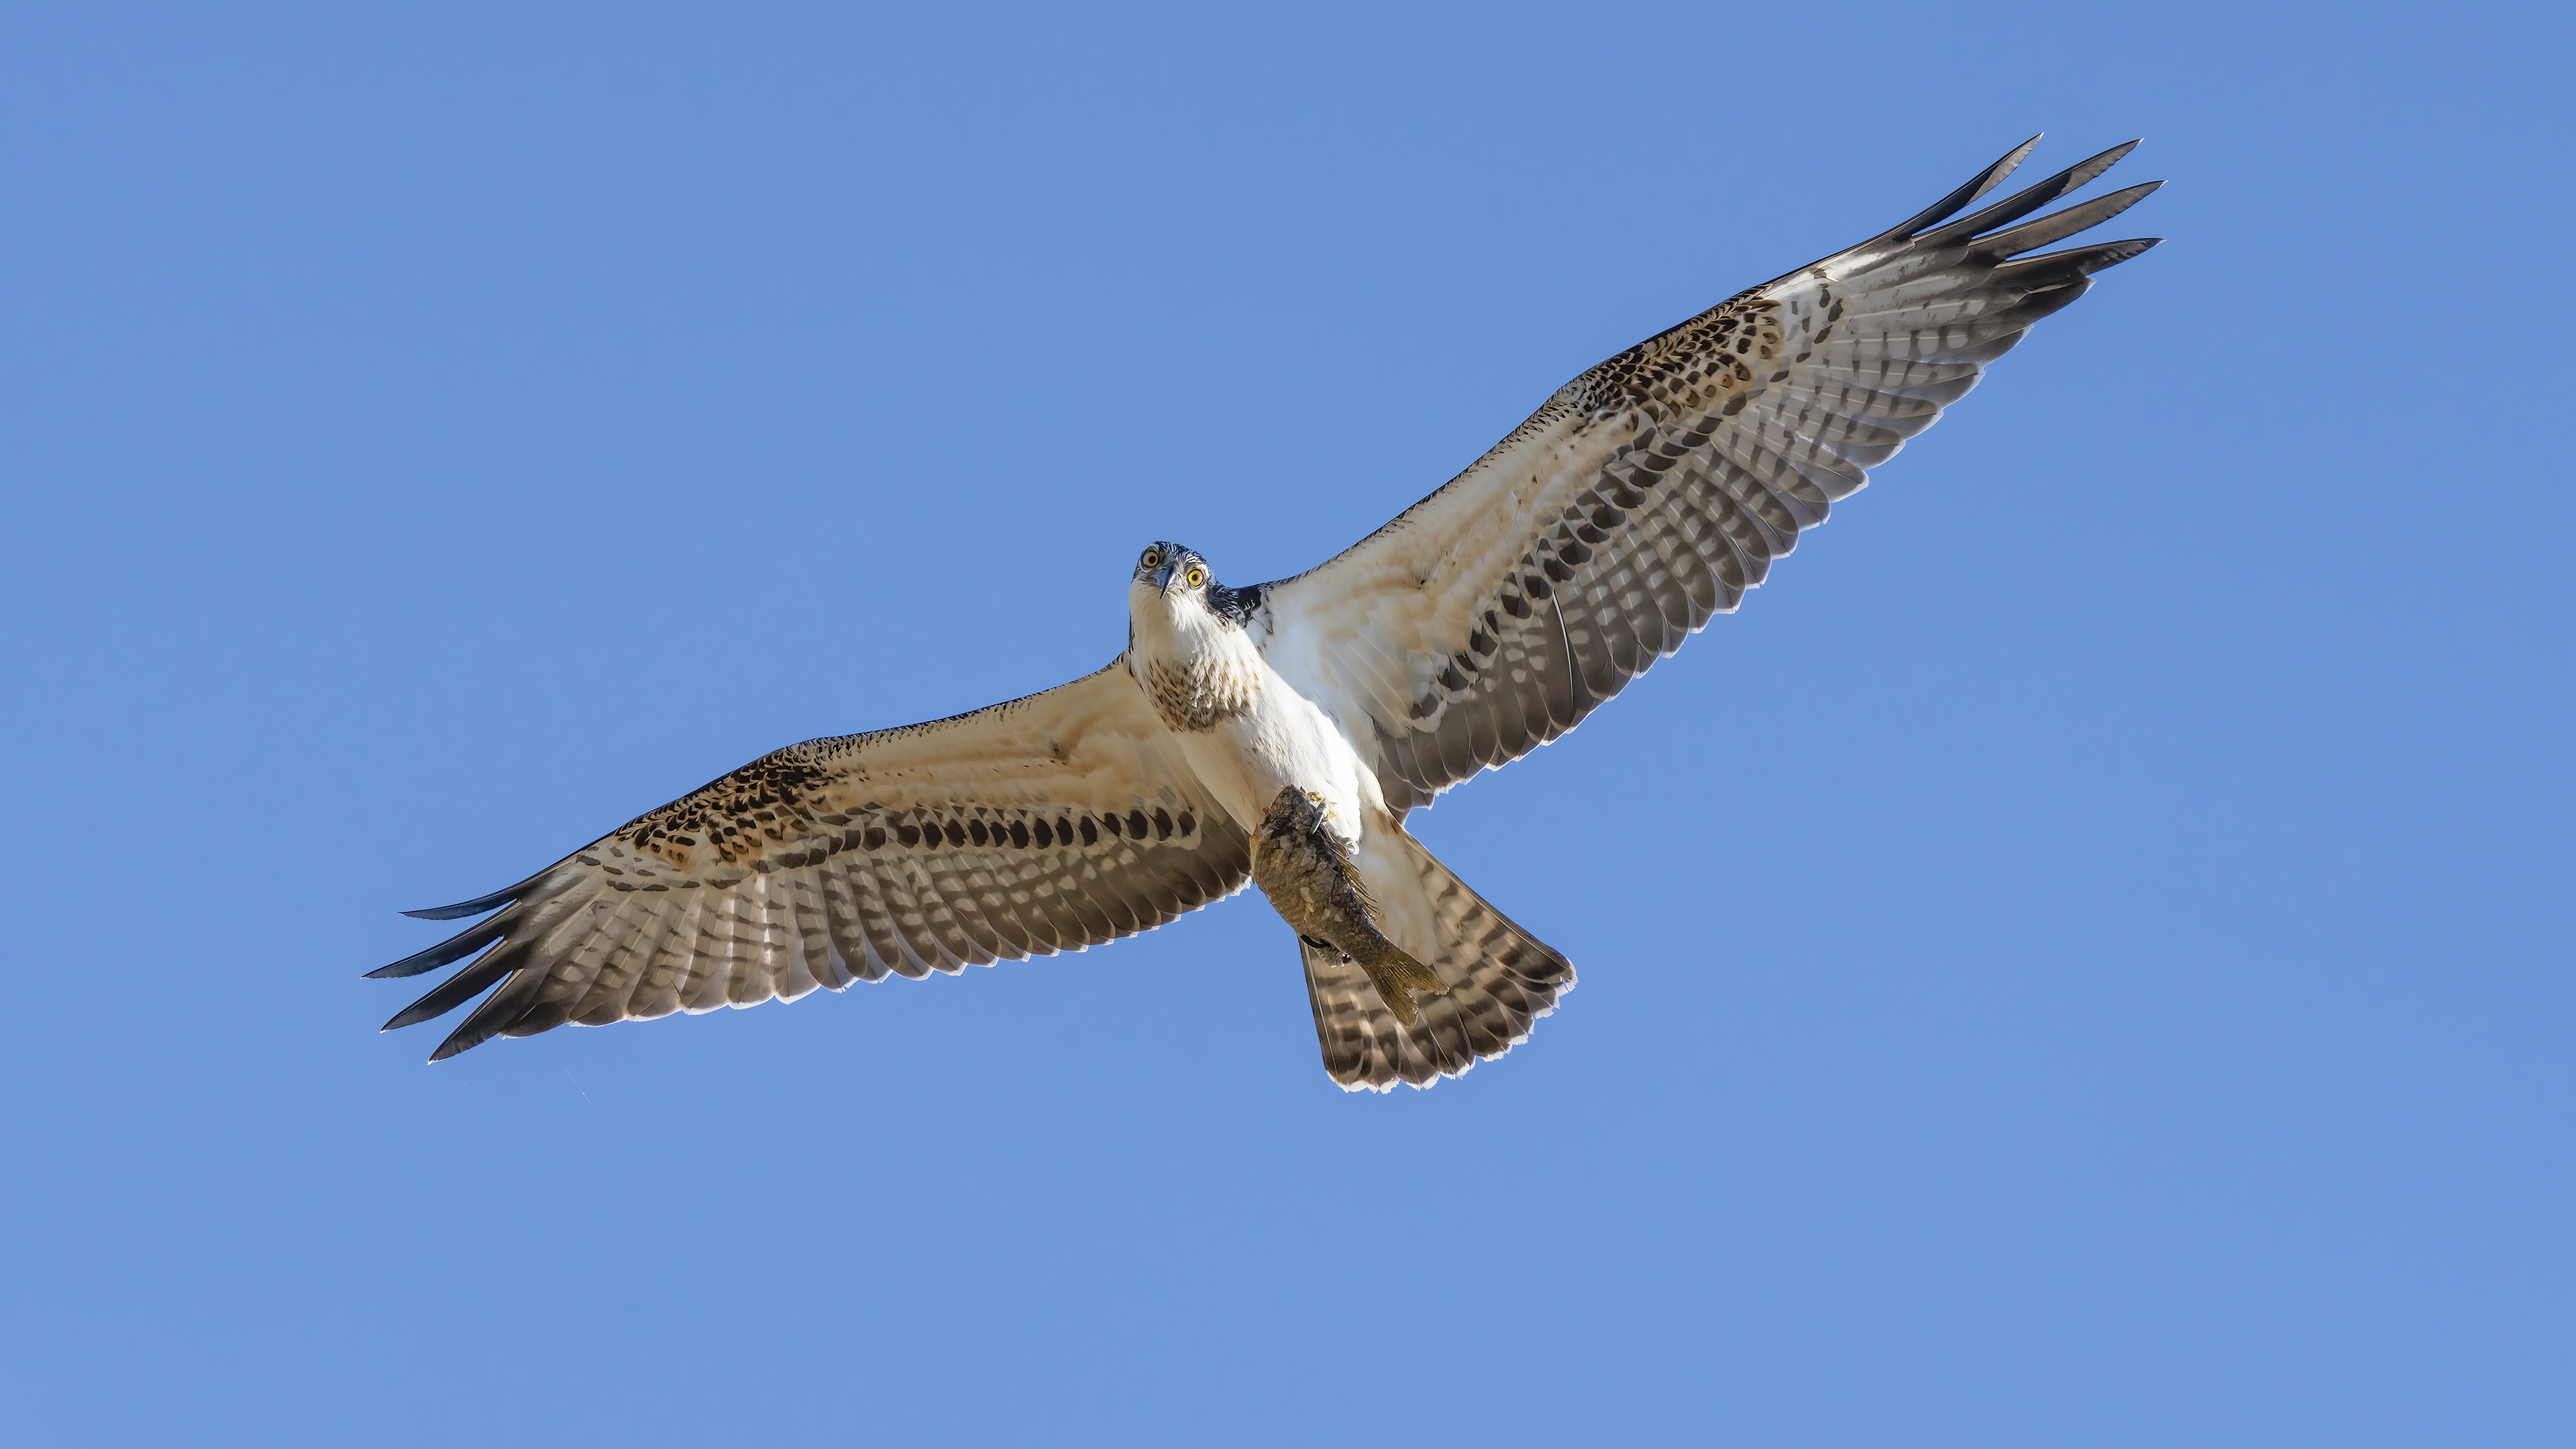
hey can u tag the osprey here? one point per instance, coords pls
(1280, 733)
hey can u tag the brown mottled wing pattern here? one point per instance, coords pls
(1651, 492)
(1047, 824)
(1501, 979)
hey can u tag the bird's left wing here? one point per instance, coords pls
(1047, 824)
(1652, 491)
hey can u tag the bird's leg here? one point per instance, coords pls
(1307, 874)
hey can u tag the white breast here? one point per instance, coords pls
(1245, 731)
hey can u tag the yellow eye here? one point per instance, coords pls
(1153, 558)
(1197, 577)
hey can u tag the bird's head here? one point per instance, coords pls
(1174, 588)
(1173, 574)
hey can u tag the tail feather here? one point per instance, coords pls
(1501, 979)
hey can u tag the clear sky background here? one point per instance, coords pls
(2081, 959)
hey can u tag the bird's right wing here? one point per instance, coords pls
(1047, 824)
(1651, 492)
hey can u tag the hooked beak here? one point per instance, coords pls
(1163, 578)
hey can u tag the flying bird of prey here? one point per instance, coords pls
(1280, 733)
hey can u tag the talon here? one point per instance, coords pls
(1306, 871)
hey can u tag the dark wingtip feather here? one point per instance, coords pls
(1968, 191)
(2059, 225)
(2111, 254)
(427, 1007)
(474, 907)
(2005, 165)
(466, 984)
(2072, 265)
(2027, 200)
(500, 1010)
(455, 948)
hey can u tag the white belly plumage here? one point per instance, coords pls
(1280, 739)
(1245, 731)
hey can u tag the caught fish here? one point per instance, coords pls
(1306, 872)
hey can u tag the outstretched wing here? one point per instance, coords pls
(1651, 492)
(1047, 824)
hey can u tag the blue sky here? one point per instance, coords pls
(2081, 958)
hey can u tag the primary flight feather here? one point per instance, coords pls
(1280, 733)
